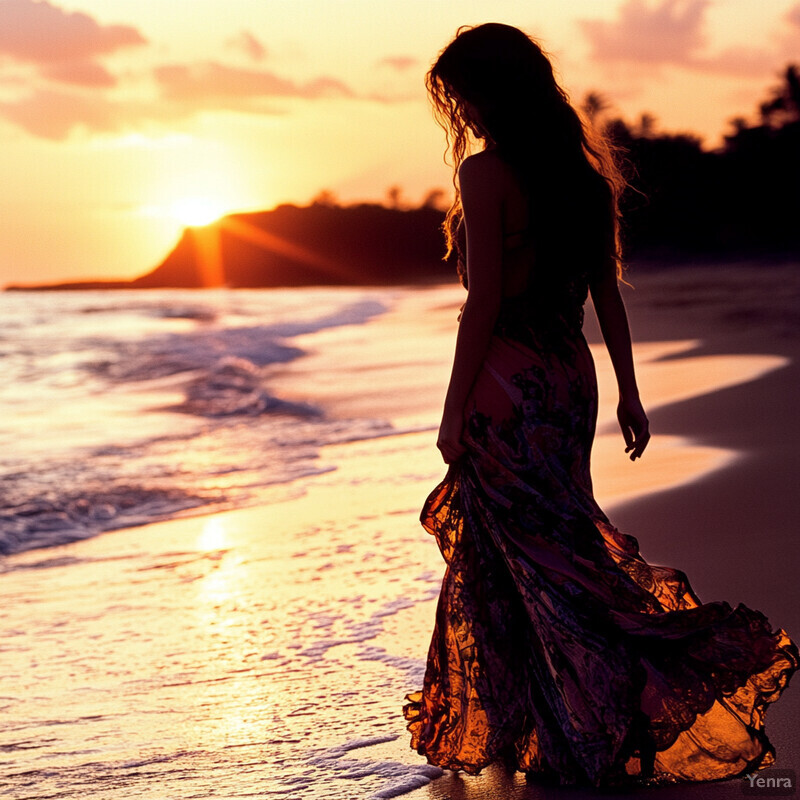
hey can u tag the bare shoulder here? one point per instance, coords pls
(485, 171)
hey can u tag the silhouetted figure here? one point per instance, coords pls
(557, 648)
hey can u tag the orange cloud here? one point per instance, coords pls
(246, 43)
(64, 49)
(669, 33)
(741, 60)
(746, 61)
(40, 32)
(209, 83)
(63, 46)
(186, 90)
(400, 63)
(672, 33)
(53, 114)
(80, 73)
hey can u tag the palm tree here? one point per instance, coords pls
(784, 105)
(594, 104)
(647, 125)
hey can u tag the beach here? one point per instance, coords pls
(263, 648)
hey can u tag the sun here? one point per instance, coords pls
(196, 211)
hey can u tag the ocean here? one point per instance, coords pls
(122, 408)
(178, 661)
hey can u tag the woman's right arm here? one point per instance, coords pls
(614, 326)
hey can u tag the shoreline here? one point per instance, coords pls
(649, 260)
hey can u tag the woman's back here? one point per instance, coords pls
(535, 284)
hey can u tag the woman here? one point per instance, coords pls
(557, 649)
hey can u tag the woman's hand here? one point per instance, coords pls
(635, 426)
(449, 441)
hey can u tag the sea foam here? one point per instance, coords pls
(122, 408)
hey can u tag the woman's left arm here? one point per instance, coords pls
(481, 185)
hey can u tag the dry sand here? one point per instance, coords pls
(122, 651)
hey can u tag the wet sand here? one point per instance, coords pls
(266, 651)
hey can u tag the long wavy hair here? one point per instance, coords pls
(567, 169)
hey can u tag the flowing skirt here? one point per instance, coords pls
(557, 649)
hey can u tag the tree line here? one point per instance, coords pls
(743, 197)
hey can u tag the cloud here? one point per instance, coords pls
(672, 33)
(246, 43)
(53, 114)
(63, 46)
(40, 32)
(399, 63)
(68, 88)
(669, 33)
(186, 90)
(740, 60)
(747, 61)
(207, 83)
(789, 40)
(79, 73)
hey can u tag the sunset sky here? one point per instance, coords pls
(121, 121)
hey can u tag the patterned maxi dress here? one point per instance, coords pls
(557, 649)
